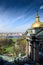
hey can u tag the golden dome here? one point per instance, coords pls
(37, 23)
(42, 25)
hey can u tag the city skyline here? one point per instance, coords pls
(18, 15)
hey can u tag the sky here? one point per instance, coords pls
(18, 15)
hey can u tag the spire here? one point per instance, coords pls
(37, 23)
(37, 14)
(37, 17)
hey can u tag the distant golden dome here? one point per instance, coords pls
(37, 23)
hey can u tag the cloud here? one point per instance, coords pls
(7, 23)
(41, 7)
(18, 18)
(22, 28)
(15, 19)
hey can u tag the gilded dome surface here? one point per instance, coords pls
(37, 23)
(42, 25)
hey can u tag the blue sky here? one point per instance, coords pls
(18, 15)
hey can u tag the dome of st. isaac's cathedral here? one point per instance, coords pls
(37, 23)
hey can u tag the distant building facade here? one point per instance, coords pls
(10, 34)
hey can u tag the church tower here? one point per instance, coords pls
(35, 38)
(37, 23)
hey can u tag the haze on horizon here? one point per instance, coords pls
(18, 15)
